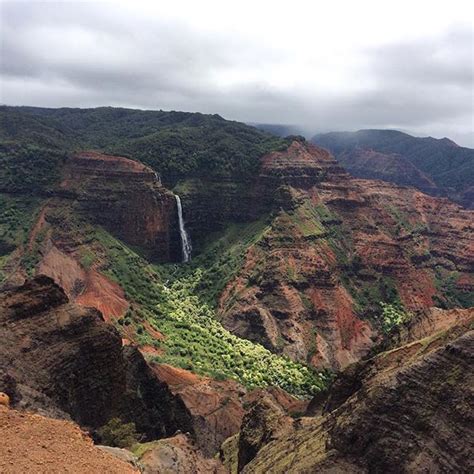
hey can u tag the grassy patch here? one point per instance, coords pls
(174, 300)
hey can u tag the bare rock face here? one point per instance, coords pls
(127, 198)
(405, 410)
(430, 321)
(334, 248)
(63, 360)
(265, 421)
(177, 455)
(217, 408)
(60, 355)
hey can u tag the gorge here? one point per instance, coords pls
(323, 323)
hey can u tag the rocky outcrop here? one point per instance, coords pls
(63, 360)
(264, 422)
(405, 410)
(123, 454)
(127, 198)
(176, 455)
(217, 408)
(334, 248)
(430, 321)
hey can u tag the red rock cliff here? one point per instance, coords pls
(126, 197)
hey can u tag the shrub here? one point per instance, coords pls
(392, 316)
(119, 434)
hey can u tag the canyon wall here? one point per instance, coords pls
(405, 410)
(127, 198)
(63, 360)
(336, 247)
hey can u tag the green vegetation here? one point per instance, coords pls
(221, 257)
(28, 168)
(175, 300)
(403, 223)
(119, 434)
(306, 219)
(87, 259)
(17, 215)
(216, 149)
(452, 295)
(393, 316)
(176, 144)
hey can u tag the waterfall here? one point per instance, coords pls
(185, 241)
(157, 177)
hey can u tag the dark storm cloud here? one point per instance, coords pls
(90, 54)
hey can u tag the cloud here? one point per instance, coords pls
(339, 67)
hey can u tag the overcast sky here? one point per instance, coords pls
(324, 65)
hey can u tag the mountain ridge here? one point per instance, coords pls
(448, 166)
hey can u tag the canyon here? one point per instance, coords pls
(405, 410)
(194, 292)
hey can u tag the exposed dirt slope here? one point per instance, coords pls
(33, 443)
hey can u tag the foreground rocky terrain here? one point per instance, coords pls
(63, 360)
(406, 410)
(33, 443)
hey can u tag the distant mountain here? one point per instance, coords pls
(280, 130)
(438, 167)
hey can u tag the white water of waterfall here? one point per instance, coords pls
(185, 242)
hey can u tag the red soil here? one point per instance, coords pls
(33, 443)
(103, 294)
